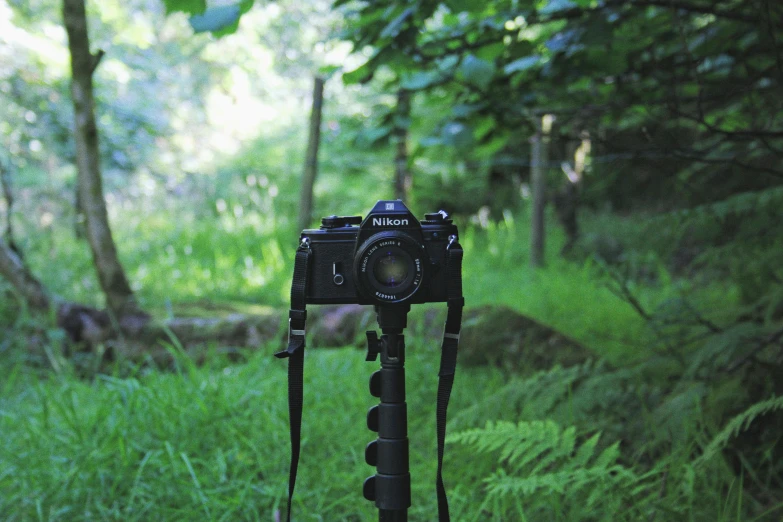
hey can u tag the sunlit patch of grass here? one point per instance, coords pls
(176, 257)
(578, 299)
(566, 296)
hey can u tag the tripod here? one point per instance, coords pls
(390, 487)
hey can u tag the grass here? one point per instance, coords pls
(206, 443)
(245, 259)
(211, 443)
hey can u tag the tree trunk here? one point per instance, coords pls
(311, 160)
(119, 296)
(12, 268)
(566, 200)
(539, 159)
(403, 180)
(78, 215)
(5, 183)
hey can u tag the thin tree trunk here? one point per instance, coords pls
(403, 180)
(539, 158)
(5, 182)
(566, 200)
(13, 269)
(78, 215)
(311, 160)
(119, 296)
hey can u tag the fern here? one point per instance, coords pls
(542, 470)
(532, 397)
(736, 425)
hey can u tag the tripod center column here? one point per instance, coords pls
(390, 488)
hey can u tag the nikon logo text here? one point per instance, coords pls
(389, 222)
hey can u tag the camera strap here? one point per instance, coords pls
(297, 317)
(448, 361)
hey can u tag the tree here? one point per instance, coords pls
(666, 73)
(119, 296)
(123, 326)
(539, 155)
(7, 192)
(311, 157)
(403, 181)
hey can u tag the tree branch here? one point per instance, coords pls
(96, 59)
(739, 135)
(773, 338)
(578, 12)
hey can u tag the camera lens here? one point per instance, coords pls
(390, 270)
(389, 267)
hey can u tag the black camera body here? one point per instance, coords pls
(390, 257)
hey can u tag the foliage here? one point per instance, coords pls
(220, 20)
(739, 423)
(544, 474)
(642, 78)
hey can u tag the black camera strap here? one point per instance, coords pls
(297, 317)
(448, 361)
(296, 348)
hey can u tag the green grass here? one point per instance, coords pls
(205, 443)
(577, 299)
(176, 264)
(211, 443)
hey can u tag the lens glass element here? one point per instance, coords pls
(390, 269)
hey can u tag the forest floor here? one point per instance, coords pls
(210, 442)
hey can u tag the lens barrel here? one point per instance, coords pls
(389, 267)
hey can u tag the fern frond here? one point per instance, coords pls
(736, 425)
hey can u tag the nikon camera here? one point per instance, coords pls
(389, 257)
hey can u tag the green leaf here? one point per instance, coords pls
(476, 71)
(448, 63)
(489, 148)
(245, 6)
(463, 110)
(491, 52)
(459, 6)
(395, 25)
(522, 64)
(185, 6)
(419, 80)
(369, 137)
(327, 71)
(554, 6)
(456, 134)
(361, 74)
(483, 127)
(216, 19)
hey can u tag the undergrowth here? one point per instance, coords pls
(211, 443)
(676, 419)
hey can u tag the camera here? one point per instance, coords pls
(389, 257)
